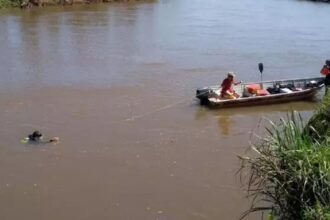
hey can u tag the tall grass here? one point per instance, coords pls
(288, 172)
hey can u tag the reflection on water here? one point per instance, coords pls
(225, 122)
(231, 120)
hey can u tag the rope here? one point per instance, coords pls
(161, 109)
(134, 117)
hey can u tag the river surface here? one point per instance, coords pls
(116, 83)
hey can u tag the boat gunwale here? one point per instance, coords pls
(272, 81)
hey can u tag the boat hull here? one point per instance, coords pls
(263, 100)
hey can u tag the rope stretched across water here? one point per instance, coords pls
(157, 110)
(161, 109)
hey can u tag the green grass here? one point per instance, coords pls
(288, 173)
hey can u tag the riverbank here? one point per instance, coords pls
(289, 172)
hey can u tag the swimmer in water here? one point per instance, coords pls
(36, 138)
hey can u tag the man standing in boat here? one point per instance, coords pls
(326, 72)
(227, 91)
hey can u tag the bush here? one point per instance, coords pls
(289, 173)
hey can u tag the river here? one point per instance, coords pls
(116, 82)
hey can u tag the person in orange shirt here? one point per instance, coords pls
(326, 72)
(227, 91)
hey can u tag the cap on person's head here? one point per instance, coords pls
(231, 74)
(327, 62)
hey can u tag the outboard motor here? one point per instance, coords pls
(203, 93)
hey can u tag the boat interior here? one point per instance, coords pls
(273, 87)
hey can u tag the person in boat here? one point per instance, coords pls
(227, 91)
(326, 72)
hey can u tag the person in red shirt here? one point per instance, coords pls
(227, 91)
(326, 72)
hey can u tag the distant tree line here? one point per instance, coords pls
(33, 3)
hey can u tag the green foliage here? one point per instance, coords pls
(318, 212)
(9, 3)
(319, 125)
(5, 3)
(289, 172)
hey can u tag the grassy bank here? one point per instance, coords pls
(288, 173)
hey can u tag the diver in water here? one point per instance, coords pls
(36, 138)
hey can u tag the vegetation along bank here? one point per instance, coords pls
(39, 3)
(288, 173)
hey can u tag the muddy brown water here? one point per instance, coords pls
(116, 83)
